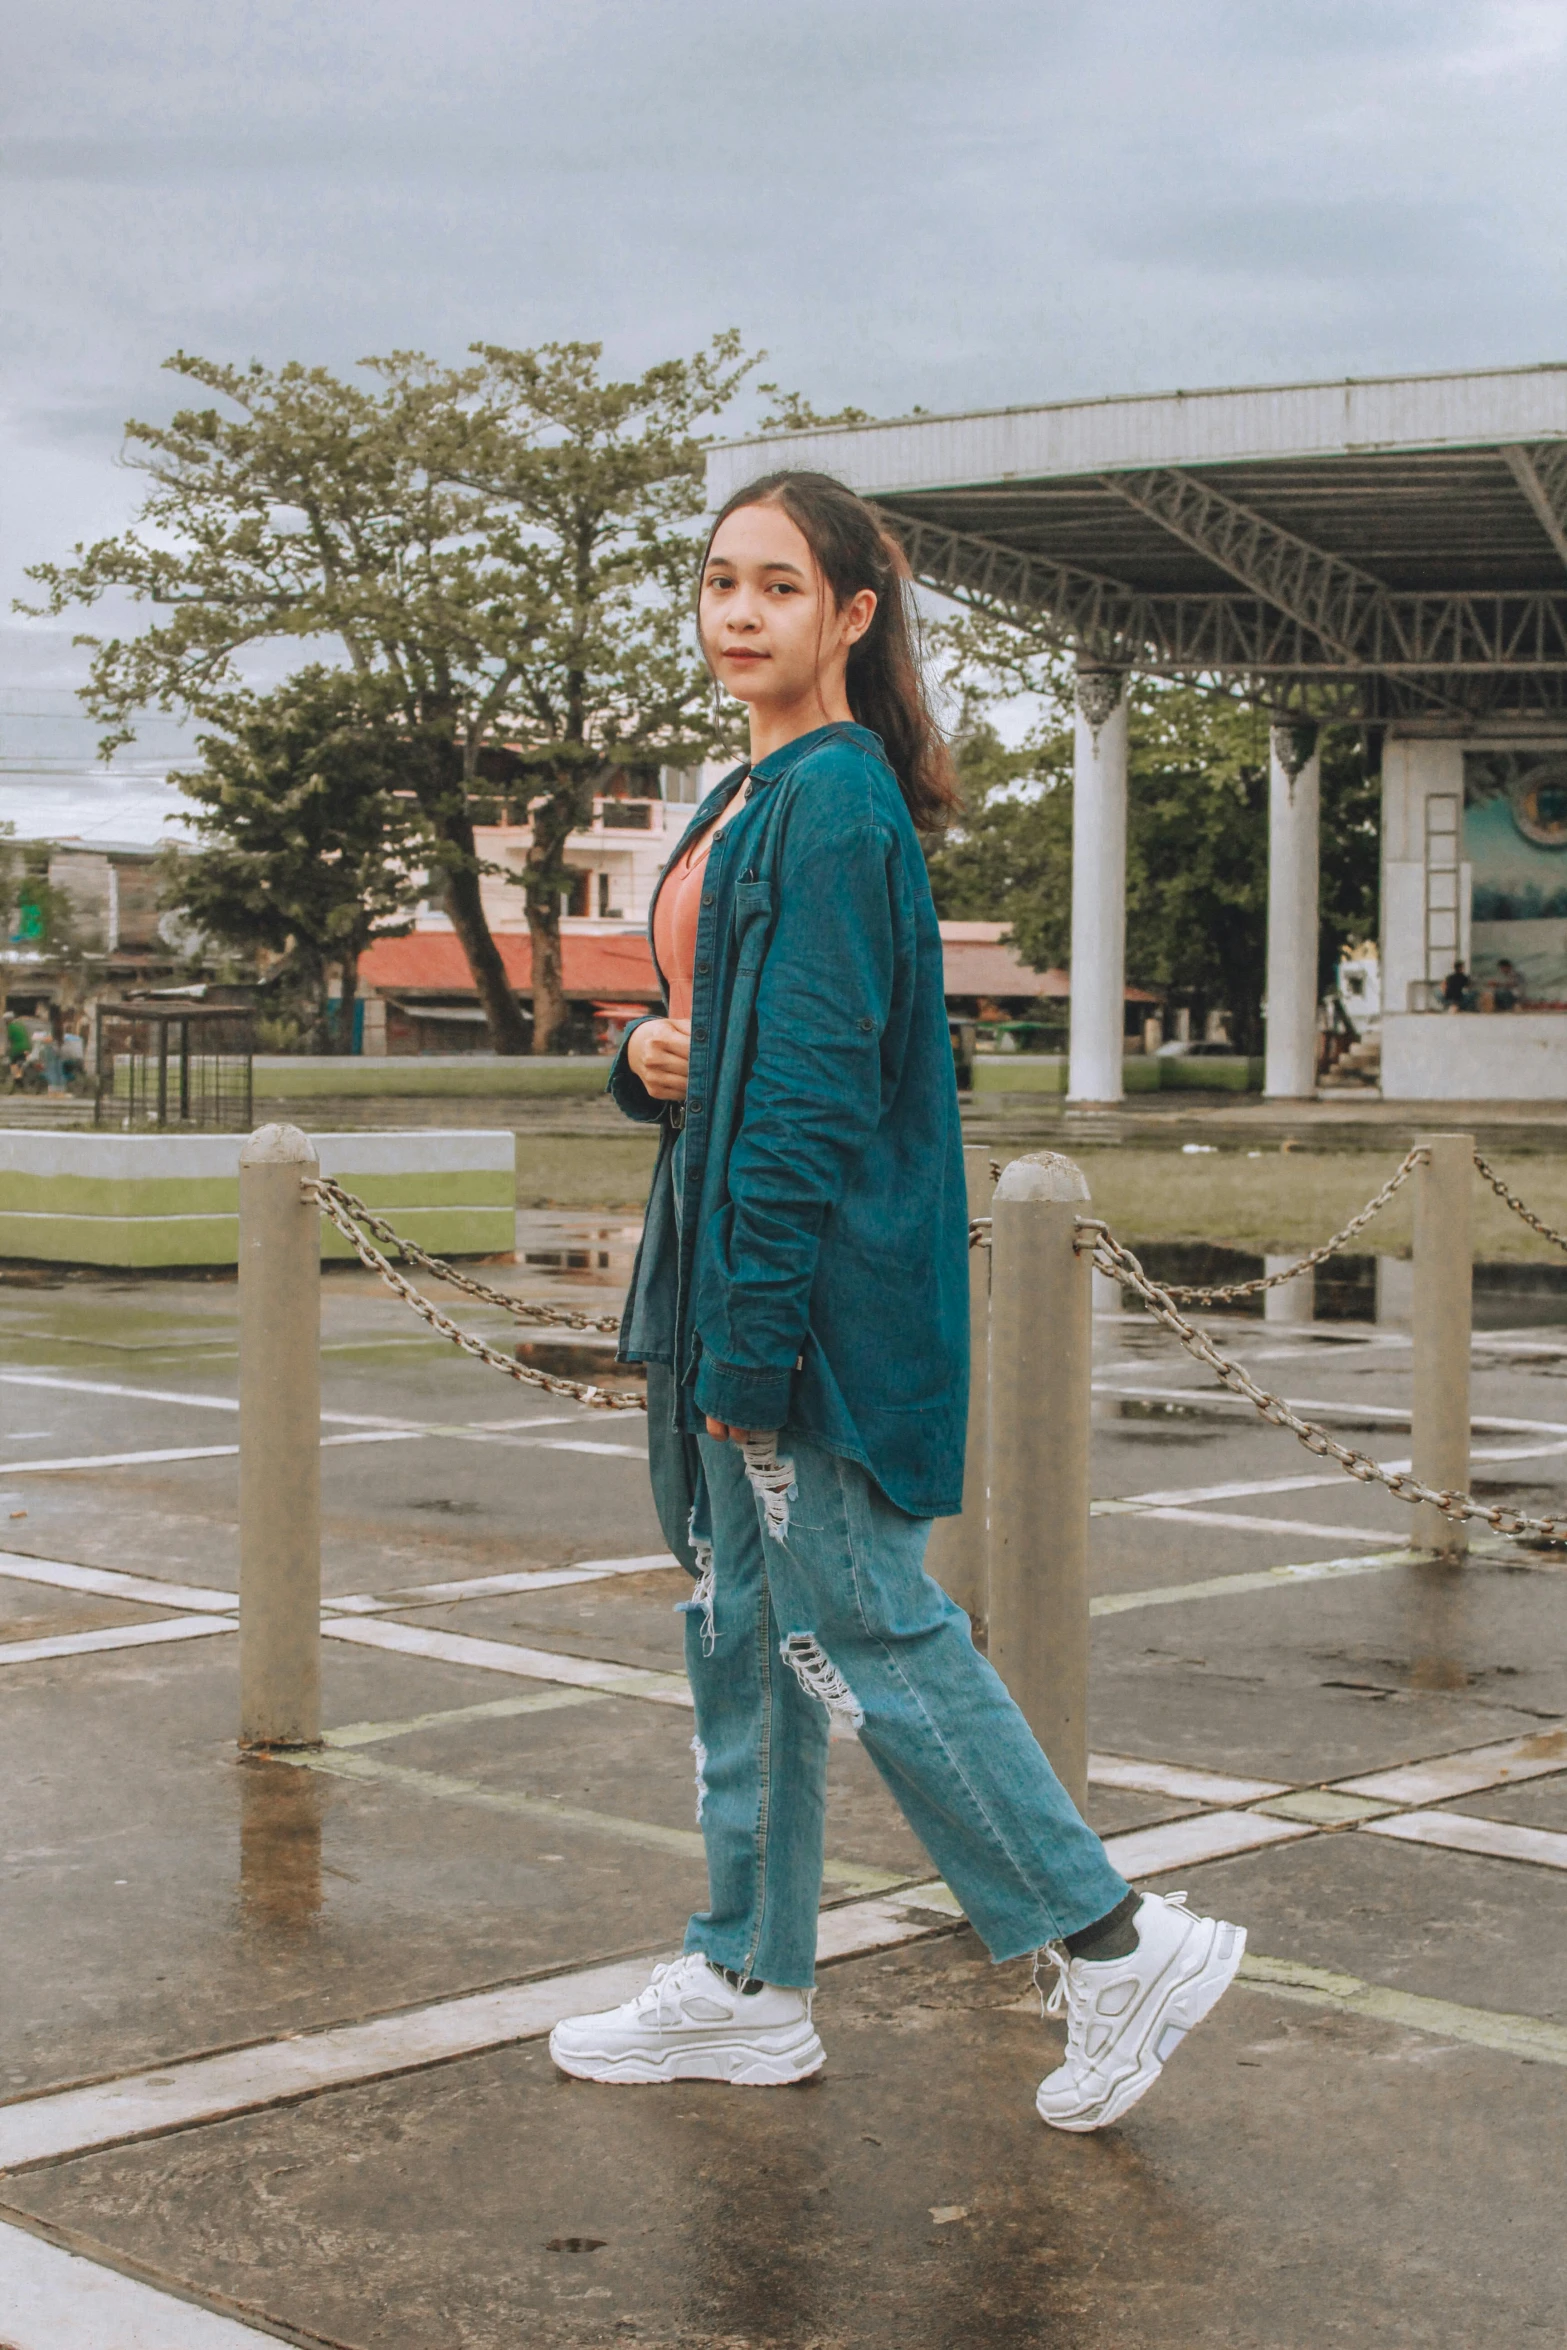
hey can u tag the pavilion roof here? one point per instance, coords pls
(1385, 548)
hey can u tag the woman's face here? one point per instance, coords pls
(769, 624)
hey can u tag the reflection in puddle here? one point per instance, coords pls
(594, 1252)
(280, 1817)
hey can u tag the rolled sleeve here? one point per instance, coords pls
(626, 1089)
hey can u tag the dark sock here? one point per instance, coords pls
(747, 1990)
(1114, 1936)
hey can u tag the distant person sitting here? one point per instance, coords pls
(1457, 991)
(1506, 989)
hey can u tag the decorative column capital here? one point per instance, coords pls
(1294, 744)
(1098, 695)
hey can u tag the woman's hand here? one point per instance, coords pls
(660, 1054)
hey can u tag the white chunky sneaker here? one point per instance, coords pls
(1125, 2017)
(690, 2024)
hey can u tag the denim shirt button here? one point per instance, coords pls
(703, 969)
(693, 1109)
(707, 897)
(699, 1035)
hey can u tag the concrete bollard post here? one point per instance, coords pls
(1041, 1343)
(1443, 1291)
(958, 1555)
(279, 1442)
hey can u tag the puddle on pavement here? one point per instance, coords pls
(280, 1813)
(1375, 1289)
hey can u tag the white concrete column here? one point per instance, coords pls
(1293, 792)
(1098, 887)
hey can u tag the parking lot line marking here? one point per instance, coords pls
(445, 1787)
(497, 1586)
(1249, 1525)
(1508, 2035)
(1490, 1423)
(1458, 1831)
(503, 1656)
(498, 1709)
(1117, 1603)
(57, 2300)
(29, 1652)
(630, 1452)
(196, 1452)
(200, 1403)
(1161, 1778)
(123, 1460)
(1439, 1778)
(1185, 1844)
(199, 2089)
(1246, 1489)
(112, 1583)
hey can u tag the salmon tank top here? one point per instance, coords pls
(674, 924)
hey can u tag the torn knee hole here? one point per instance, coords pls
(701, 1600)
(819, 1677)
(772, 1481)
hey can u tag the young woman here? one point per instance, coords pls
(801, 1303)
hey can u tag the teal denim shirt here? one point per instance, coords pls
(808, 1270)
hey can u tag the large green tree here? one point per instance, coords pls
(310, 847)
(1197, 832)
(502, 550)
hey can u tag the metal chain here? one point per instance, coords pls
(1512, 1200)
(521, 1309)
(1115, 1260)
(330, 1198)
(1221, 1292)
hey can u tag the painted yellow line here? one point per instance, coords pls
(1481, 2027)
(499, 1709)
(446, 1788)
(1118, 1603)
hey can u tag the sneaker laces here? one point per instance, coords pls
(660, 1996)
(1069, 1992)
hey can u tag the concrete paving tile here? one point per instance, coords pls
(161, 1895)
(1447, 1925)
(909, 2201)
(1543, 1804)
(632, 1621)
(1302, 1683)
(32, 1611)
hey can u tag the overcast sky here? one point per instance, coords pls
(955, 203)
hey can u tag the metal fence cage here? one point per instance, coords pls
(167, 1066)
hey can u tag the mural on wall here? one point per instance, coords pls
(1515, 839)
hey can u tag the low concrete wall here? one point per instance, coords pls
(1140, 1073)
(307, 1077)
(1474, 1056)
(155, 1200)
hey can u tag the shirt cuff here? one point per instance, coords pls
(626, 1089)
(741, 1399)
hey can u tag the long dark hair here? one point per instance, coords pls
(885, 689)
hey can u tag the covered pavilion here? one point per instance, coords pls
(1391, 552)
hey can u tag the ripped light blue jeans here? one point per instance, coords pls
(818, 1603)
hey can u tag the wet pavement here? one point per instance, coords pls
(379, 1933)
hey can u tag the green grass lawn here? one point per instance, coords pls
(1275, 1201)
(1288, 1200)
(585, 1171)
